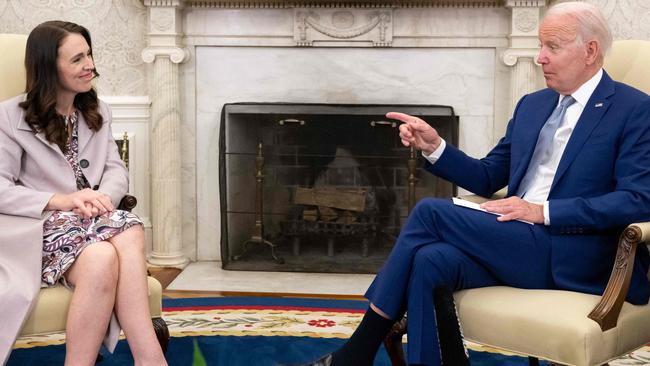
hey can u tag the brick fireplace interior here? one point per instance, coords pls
(319, 187)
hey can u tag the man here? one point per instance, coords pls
(576, 159)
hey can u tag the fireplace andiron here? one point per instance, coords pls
(258, 228)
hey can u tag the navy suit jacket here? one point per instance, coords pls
(601, 185)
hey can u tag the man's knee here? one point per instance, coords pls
(429, 203)
(439, 261)
(430, 207)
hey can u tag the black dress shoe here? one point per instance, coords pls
(323, 361)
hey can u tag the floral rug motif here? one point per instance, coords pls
(273, 317)
(263, 322)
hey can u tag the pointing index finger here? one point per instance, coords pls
(400, 117)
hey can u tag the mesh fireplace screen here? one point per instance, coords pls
(319, 187)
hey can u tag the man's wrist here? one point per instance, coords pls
(434, 155)
(547, 217)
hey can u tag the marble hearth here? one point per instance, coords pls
(475, 56)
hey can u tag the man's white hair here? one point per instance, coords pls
(591, 22)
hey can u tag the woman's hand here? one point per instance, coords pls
(87, 203)
(94, 211)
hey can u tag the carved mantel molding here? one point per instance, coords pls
(523, 48)
(343, 3)
(526, 3)
(512, 55)
(176, 54)
(334, 25)
(161, 3)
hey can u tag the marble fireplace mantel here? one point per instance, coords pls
(344, 4)
(492, 42)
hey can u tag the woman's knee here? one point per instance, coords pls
(105, 258)
(131, 239)
(98, 262)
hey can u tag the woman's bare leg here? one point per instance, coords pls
(94, 275)
(132, 303)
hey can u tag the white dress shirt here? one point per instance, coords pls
(540, 186)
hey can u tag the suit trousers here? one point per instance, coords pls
(442, 244)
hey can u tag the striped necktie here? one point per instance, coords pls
(544, 146)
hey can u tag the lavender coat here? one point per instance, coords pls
(31, 171)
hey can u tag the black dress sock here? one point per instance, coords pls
(362, 347)
(450, 336)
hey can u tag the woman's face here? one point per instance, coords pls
(75, 65)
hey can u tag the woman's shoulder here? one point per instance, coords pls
(104, 109)
(11, 110)
(102, 105)
(11, 104)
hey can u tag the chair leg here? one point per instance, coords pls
(533, 361)
(393, 343)
(162, 332)
(450, 334)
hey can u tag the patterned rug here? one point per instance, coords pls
(236, 331)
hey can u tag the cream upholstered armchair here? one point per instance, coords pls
(566, 327)
(51, 310)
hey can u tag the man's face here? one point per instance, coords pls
(566, 63)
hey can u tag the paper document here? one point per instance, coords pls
(475, 206)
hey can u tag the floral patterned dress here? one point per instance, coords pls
(66, 234)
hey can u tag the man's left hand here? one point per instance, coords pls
(514, 208)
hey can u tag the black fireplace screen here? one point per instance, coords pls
(319, 187)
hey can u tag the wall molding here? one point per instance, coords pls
(132, 115)
(275, 4)
(129, 108)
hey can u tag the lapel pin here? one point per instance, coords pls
(598, 105)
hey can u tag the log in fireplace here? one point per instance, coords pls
(319, 187)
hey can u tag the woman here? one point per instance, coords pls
(60, 180)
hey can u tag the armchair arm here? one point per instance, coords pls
(606, 312)
(127, 203)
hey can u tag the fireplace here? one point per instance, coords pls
(319, 187)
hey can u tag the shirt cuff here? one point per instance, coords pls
(435, 155)
(547, 216)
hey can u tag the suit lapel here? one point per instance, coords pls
(22, 125)
(84, 134)
(591, 116)
(527, 137)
